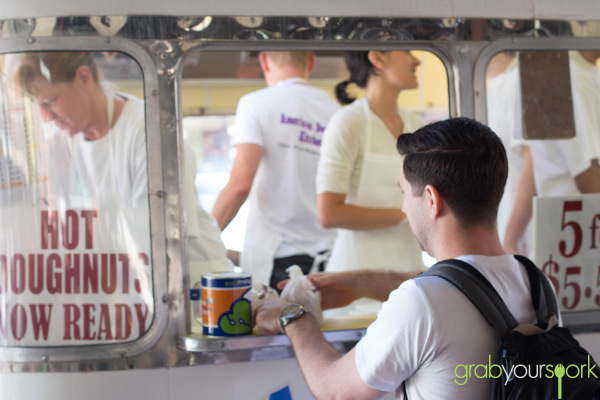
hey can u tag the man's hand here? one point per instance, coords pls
(337, 289)
(266, 316)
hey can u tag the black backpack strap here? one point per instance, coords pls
(478, 290)
(542, 295)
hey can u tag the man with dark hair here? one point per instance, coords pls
(427, 332)
(469, 176)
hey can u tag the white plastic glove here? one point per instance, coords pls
(261, 293)
(300, 290)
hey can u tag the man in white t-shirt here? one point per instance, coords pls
(278, 132)
(452, 175)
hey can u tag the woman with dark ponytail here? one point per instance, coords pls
(360, 68)
(357, 178)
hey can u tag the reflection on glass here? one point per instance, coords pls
(215, 81)
(504, 117)
(210, 138)
(74, 240)
(569, 166)
(552, 171)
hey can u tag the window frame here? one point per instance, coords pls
(20, 354)
(577, 321)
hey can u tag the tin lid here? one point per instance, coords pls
(226, 279)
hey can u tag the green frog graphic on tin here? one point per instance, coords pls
(238, 320)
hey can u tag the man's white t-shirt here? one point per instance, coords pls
(558, 162)
(428, 327)
(287, 120)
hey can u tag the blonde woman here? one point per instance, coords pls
(97, 152)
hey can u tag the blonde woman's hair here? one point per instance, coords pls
(55, 67)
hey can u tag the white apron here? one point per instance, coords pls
(393, 247)
(260, 245)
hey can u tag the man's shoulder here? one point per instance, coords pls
(418, 289)
(427, 286)
(295, 88)
(259, 100)
(257, 93)
(276, 98)
(496, 269)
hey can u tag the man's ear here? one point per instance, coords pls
(433, 202)
(264, 62)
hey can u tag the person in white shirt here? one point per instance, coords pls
(453, 174)
(358, 169)
(565, 167)
(570, 166)
(97, 151)
(278, 134)
(503, 94)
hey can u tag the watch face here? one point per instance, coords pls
(291, 310)
(291, 313)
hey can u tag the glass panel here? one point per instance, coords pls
(214, 82)
(558, 164)
(75, 260)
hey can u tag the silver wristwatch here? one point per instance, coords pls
(290, 313)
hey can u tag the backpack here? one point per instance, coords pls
(526, 347)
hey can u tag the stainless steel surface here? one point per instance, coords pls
(251, 13)
(583, 321)
(253, 347)
(202, 27)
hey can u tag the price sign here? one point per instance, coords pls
(567, 248)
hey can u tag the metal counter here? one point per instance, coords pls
(342, 332)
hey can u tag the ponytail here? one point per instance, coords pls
(341, 93)
(360, 68)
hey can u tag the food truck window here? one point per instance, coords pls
(544, 105)
(75, 256)
(213, 83)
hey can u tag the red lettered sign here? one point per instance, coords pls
(74, 277)
(567, 248)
